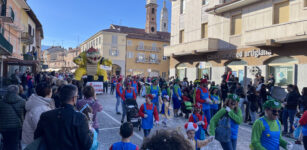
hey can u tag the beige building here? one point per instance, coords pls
(246, 36)
(112, 46)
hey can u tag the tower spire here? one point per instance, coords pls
(164, 18)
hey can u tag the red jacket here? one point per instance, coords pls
(118, 85)
(191, 119)
(129, 90)
(198, 93)
(149, 107)
(303, 120)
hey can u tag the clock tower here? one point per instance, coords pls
(151, 17)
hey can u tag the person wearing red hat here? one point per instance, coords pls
(199, 118)
(148, 112)
(202, 97)
(119, 94)
(191, 128)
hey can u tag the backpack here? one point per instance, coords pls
(223, 130)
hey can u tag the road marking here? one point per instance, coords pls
(134, 133)
(108, 128)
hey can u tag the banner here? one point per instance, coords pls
(105, 67)
(98, 86)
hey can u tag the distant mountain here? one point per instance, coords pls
(44, 47)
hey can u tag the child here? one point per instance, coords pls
(216, 100)
(297, 129)
(199, 118)
(165, 110)
(148, 111)
(191, 128)
(126, 131)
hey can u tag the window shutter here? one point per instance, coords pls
(236, 25)
(281, 12)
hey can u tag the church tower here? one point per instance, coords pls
(151, 16)
(164, 18)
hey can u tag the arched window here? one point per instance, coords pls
(204, 68)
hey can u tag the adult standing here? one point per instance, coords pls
(135, 86)
(113, 84)
(128, 95)
(11, 118)
(202, 97)
(289, 111)
(303, 100)
(266, 132)
(36, 105)
(253, 103)
(224, 90)
(233, 111)
(177, 94)
(65, 128)
(119, 94)
(271, 83)
(15, 79)
(155, 91)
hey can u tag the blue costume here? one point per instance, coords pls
(200, 134)
(156, 93)
(176, 101)
(129, 95)
(206, 106)
(123, 146)
(270, 139)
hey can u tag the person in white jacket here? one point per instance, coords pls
(36, 105)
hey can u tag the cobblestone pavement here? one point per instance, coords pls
(109, 123)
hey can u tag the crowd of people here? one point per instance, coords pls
(54, 111)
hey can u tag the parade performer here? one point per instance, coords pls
(232, 110)
(129, 97)
(113, 84)
(119, 94)
(165, 110)
(176, 97)
(126, 131)
(202, 96)
(215, 99)
(148, 112)
(134, 84)
(199, 118)
(196, 85)
(266, 132)
(90, 63)
(155, 91)
(197, 144)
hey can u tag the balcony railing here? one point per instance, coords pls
(295, 31)
(27, 38)
(148, 61)
(6, 47)
(148, 48)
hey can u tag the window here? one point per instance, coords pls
(236, 24)
(154, 46)
(305, 3)
(29, 29)
(114, 39)
(99, 40)
(141, 46)
(96, 41)
(130, 55)
(281, 12)
(182, 6)
(12, 14)
(164, 75)
(114, 52)
(153, 10)
(153, 57)
(129, 43)
(205, 2)
(181, 36)
(141, 57)
(204, 30)
(164, 58)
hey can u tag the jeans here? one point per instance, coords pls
(305, 141)
(146, 132)
(112, 89)
(253, 115)
(157, 105)
(124, 110)
(118, 101)
(288, 113)
(241, 105)
(232, 145)
(11, 140)
(207, 114)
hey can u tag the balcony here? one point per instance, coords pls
(295, 31)
(148, 61)
(148, 49)
(231, 5)
(27, 38)
(6, 47)
(6, 19)
(192, 48)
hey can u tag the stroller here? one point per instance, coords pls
(186, 108)
(133, 113)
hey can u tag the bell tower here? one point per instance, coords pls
(164, 18)
(151, 16)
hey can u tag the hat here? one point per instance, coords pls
(191, 126)
(272, 104)
(198, 105)
(234, 97)
(149, 96)
(154, 80)
(204, 81)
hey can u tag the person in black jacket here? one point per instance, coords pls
(224, 90)
(253, 103)
(64, 128)
(289, 111)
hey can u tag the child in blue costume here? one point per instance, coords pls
(148, 112)
(214, 96)
(126, 131)
(199, 118)
(165, 110)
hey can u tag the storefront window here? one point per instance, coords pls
(181, 71)
(238, 67)
(204, 68)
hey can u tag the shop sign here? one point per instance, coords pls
(252, 53)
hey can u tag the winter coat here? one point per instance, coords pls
(35, 106)
(253, 101)
(9, 119)
(292, 100)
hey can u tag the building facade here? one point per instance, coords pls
(245, 36)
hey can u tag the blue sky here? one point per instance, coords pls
(65, 22)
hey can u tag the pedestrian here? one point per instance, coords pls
(30, 85)
(271, 83)
(36, 105)
(191, 128)
(224, 90)
(165, 110)
(90, 99)
(134, 84)
(303, 100)
(105, 86)
(232, 110)
(113, 84)
(11, 118)
(253, 103)
(65, 128)
(129, 96)
(21, 92)
(155, 91)
(303, 123)
(126, 132)
(266, 132)
(119, 95)
(214, 96)
(202, 97)
(199, 118)
(177, 97)
(148, 112)
(289, 111)
(15, 79)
